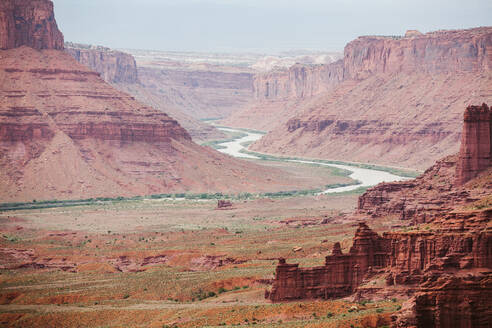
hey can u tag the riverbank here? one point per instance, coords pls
(363, 175)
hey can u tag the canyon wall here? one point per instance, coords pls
(67, 134)
(297, 82)
(454, 302)
(340, 275)
(434, 52)
(476, 143)
(120, 69)
(443, 258)
(399, 102)
(407, 258)
(200, 92)
(278, 93)
(114, 66)
(29, 23)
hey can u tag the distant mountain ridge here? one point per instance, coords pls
(394, 101)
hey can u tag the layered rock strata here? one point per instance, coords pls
(443, 259)
(278, 93)
(340, 275)
(297, 82)
(29, 23)
(400, 101)
(114, 66)
(67, 134)
(476, 143)
(120, 69)
(451, 301)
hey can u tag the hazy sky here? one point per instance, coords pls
(256, 25)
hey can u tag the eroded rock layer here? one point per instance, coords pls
(340, 275)
(120, 69)
(278, 93)
(400, 101)
(443, 257)
(114, 66)
(29, 23)
(476, 143)
(65, 134)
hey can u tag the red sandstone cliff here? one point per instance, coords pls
(434, 52)
(120, 69)
(30, 23)
(114, 66)
(400, 101)
(297, 82)
(277, 93)
(443, 258)
(65, 133)
(476, 143)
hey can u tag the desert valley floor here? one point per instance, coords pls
(164, 262)
(270, 188)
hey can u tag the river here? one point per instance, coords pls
(365, 177)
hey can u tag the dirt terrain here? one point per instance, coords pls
(175, 263)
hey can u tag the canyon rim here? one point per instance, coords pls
(158, 169)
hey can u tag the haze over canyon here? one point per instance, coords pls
(149, 186)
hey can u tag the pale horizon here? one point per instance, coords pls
(268, 26)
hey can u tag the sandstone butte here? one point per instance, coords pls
(112, 65)
(446, 268)
(120, 70)
(390, 100)
(67, 134)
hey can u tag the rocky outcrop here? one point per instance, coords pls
(29, 23)
(340, 275)
(400, 101)
(297, 82)
(455, 301)
(278, 93)
(114, 66)
(476, 143)
(120, 69)
(65, 133)
(434, 52)
(406, 257)
(419, 200)
(414, 254)
(443, 258)
(224, 204)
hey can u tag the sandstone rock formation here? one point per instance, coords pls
(65, 133)
(114, 66)
(444, 260)
(340, 275)
(297, 82)
(476, 143)
(455, 301)
(399, 102)
(200, 92)
(224, 204)
(120, 69)
(277, 93)
(30, 23)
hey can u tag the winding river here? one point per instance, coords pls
(366, 177)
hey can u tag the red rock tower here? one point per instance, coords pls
(29, 23)
(476, 143)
